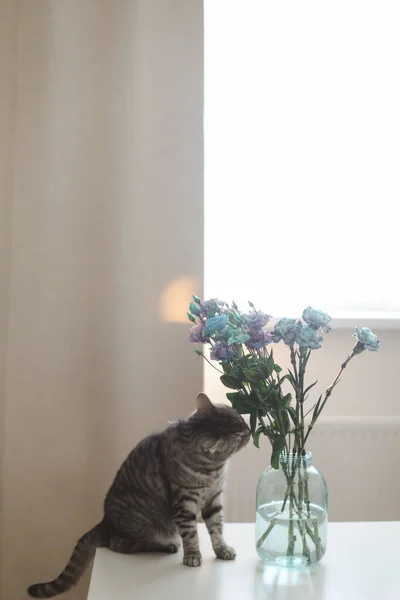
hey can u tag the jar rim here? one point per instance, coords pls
(285, 457)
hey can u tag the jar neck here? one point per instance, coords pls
(305, 460)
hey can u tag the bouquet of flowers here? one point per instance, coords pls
(277, 402)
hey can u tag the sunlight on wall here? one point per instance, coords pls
(175, 299)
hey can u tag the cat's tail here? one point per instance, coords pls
(81, 556)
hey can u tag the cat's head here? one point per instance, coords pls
(218, 430)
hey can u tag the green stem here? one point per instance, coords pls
(306, 491)
(301, 506)
(312, 408)
(300, 515)
(296, 389)
(210, 363)
(303, 360)
(266, 533)
(327, 395)
(306, 550)
(317, 540)
(291, 536)
(289, 486)
(313, 534)
(302, 427)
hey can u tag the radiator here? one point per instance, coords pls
(359, 457)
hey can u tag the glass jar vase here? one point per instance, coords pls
(292, 513)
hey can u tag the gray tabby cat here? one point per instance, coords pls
(167, 480)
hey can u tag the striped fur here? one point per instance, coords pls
(165, 483)
(82, 554)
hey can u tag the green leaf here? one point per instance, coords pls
(292, 378)
(227, 368)
(270, 364)
(309, 387)
(270, 434)
(242, 338)
(256, 437)
(287, 399)
(278, 446)
(285, 421)
(196, 299)
(238, 401)
(238, 337)
(198, 352)
(235, 395)
(273, 399)
(277, 368)
(268, 399)
(252, 375)
(252, 399)
(316, 409)
(293, 414)
(229, 382)
(191, 318)
(260, 389)
(253, 421)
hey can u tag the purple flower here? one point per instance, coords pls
(307, 337)
(196, 334)
(209, 308)
(221, 352)
(259, 339)
(256, 320)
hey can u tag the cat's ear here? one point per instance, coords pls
(204, 403)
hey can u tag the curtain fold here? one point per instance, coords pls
(101, 165)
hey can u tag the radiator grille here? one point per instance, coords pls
(359, 457)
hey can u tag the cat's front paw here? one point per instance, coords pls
(225, 552)
(192, 559)
(172, 548)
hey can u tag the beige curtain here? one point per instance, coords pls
(100, 246)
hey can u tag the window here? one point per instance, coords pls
(302, 155)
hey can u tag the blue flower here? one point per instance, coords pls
(215, 324)
(286, 330)
(307, 337)
(221, 352)
(317, 319)
(366, 339)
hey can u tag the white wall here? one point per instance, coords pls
(101, 138)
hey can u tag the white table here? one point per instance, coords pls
(362, 563)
